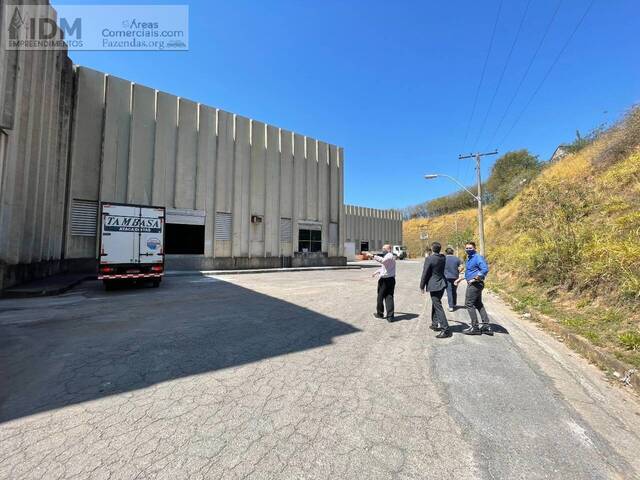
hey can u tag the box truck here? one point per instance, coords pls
(131, 243)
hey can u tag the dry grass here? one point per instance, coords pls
(453, 229)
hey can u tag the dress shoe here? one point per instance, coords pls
(451, 309)
(446, 333)
(377, 315)
(472, 331)
(435, 328)
(486, 330)
(391, 319)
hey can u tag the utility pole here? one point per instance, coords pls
(479, 197)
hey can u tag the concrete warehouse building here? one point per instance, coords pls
(239, 193)
(370, 228)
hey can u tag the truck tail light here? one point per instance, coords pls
(157, 268)
(107, 269)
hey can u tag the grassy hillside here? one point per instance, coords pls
(569, 243)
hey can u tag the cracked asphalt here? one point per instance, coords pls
(289, 376)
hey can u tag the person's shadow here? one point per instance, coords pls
(460, 326)
(405, 316)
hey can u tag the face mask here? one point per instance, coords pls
(470, 251)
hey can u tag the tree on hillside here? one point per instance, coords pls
(510, 174)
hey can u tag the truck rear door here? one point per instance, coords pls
(151, 244)
(119, 234)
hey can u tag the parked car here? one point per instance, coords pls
(399, 251)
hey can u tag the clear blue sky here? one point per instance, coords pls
(394, 82)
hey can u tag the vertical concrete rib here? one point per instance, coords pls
(205, 172)
(257, 177)
(186, 157)
(164, 150)
(299, 185)
(47, 236)
(311, 146)
(205, 156)
(241, 183)
(115, 147)
(272, 193)
(324, 193)
(86, 147)
(286, 185)
(32, 179)
(143, 125)
(224, 176)
(66, 108)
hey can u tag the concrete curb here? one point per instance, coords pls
(44, 290)
(186, 273)
(594, 354)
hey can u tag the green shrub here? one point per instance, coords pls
(630, 340)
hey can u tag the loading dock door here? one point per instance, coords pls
(185, 232)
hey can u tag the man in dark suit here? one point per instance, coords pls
(433, 281)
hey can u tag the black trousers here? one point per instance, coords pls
(452, 292)
(438, 317)
(473, 301)
(386, 287)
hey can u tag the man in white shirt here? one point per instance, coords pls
(386, 283)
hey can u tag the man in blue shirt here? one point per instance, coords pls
(476, 270)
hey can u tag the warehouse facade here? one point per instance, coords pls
(238, 193)
(368, 229)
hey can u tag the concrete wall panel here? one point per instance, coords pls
(311, 146)
(257, 179)
(86, 147)
(225, 162)
(186, 160)
(49, 158)
(143, 126)
(33, 179)
(65, 111)
(335, 184)
(324, 192)
(272, 194)
(205, 174)
(115, 148)
(286, 185)
(164, 150)
(299, 185)
(241, 186)
(300, 177)
(40, 218)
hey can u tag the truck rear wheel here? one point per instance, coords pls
(108, 284)
(156, 282)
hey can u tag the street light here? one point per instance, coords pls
(475, 197)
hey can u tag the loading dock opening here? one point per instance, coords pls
(184, 239)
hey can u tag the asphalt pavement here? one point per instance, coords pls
(287, 375)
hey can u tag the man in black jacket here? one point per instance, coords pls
(433, 282)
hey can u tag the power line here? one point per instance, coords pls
(555, 61)
(484, 69)
(504, 69)
(526, 73)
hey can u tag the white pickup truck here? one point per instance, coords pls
(131, 243)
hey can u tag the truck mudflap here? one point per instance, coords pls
(129, 276)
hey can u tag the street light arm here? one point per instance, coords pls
(460, 184)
